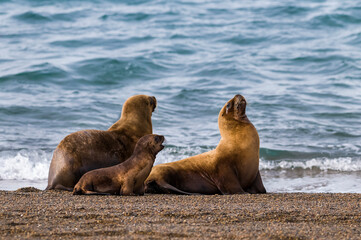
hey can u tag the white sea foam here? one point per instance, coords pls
(345, 164)
(333, 183)
(25, 166)
(172, 154)
(332, 175)
(35, 165)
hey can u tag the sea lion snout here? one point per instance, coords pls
(236, 108)
(159, 139)
(151, 142)
(237, 104)
(153, 102)
(240, 105)
(239, 98)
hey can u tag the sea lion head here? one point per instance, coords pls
(136, 114)
(139, 103)
(152, 142)
(139, 108)
(235, 109)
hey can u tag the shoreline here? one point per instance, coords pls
(31, 213)
(274, 181)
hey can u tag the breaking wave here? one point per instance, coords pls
(25, 166)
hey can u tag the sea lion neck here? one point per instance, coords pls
(136, 121)
(232, 124)
(138, 128)
(232, 127)
(148, 151)
(136, 115)
(145, 154)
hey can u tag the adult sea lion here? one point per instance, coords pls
(86, 150)
(126, 178)
(229, 169)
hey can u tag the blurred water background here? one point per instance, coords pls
(70, 65)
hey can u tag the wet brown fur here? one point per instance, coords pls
(229, 169)
(86, 150)
(126, 178)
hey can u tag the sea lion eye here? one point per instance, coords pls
(229, 105)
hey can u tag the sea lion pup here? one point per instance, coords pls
(126, 178)
(229, 169)
(86, 150)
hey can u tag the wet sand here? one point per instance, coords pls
(28, 213)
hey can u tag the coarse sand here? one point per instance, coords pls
(31, 213)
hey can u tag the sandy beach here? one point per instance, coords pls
(30, 213)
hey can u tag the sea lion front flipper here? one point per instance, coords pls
(127, 188)
(231, 188)
(257, 185)
(228, 182)
(59, 187)
(140, 191)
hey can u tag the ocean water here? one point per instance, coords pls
(70, 65)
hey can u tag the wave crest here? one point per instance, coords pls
(343, 164)
(25, 166)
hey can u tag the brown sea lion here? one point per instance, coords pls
(229, 169)
(126, 178)
(86, 150)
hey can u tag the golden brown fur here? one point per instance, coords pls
(229, 169)
(126, 178)
(86, 150)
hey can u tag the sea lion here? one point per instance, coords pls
(231, 168)
(86, 150)
(126, 178)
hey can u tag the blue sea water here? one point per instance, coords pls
(70, 65)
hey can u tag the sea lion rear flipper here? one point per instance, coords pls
(176, 190)
(87, 192)
(164, 187)
(257, 185)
